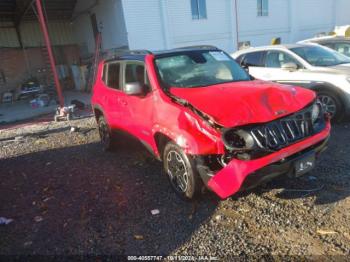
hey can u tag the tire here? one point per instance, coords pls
(332, 104)
(181, 172)
(105, 134)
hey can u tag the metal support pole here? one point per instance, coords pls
(237, 25)
(49, 51)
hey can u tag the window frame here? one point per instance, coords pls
(106, 67)
(196, 9)
(261, 60)
(297, 62)
(124, 63)
(262, 8)
(336, 45)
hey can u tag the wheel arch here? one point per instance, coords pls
(330, 88)
(98, 112)
(161, 140)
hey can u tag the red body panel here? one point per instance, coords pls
(229, 105)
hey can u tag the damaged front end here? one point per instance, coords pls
(258, 152)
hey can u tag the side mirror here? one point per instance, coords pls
(290, 67)
(134, 89)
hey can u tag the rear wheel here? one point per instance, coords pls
(181, 172)
(331, 103)
(105, 134)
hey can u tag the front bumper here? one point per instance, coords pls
(234, 176)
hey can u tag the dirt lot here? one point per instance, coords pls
(67, 196)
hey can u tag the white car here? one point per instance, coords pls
(308, 65)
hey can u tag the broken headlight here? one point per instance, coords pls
(238, 140)
(316, 111)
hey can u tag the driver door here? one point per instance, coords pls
(139, 109)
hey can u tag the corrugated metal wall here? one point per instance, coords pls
(8, 37)
(61, 33)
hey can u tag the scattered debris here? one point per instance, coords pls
(41, 101)
(64, 113)
(217, 217)
(78, 104)
(38, 219)
(46, 199)
(28, 243)
(5, 221)
(19, 138)
(326, 232)
(74, 129)
(138, 237)
(311, 178)
(155, 212)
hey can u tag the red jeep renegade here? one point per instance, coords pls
(207, 120)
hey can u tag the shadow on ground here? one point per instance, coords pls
(80, 200)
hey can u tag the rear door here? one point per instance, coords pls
(253, 61)
(113, 94)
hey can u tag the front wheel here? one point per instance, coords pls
(181, 172)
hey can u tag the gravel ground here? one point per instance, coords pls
(66, 196)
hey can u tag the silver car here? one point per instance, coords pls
(308, 65)
(340, 44)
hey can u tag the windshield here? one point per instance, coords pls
(319, 56)
(199, 68)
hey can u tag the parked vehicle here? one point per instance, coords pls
(340, 44)
(310, 66)
(203, 116)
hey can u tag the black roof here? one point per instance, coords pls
(139, 55)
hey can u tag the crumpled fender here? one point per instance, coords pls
(190, 139)
(229, 179)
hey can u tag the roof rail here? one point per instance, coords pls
(199, 47)
(114, 53)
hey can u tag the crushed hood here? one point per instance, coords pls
(242, 103)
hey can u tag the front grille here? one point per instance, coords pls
(286, 131)
(257, 140)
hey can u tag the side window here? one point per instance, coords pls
(113, 80)
(263, 7)
(199, 9)
(275, 59)
(343, 48)
(135, 72)
(253, 59)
